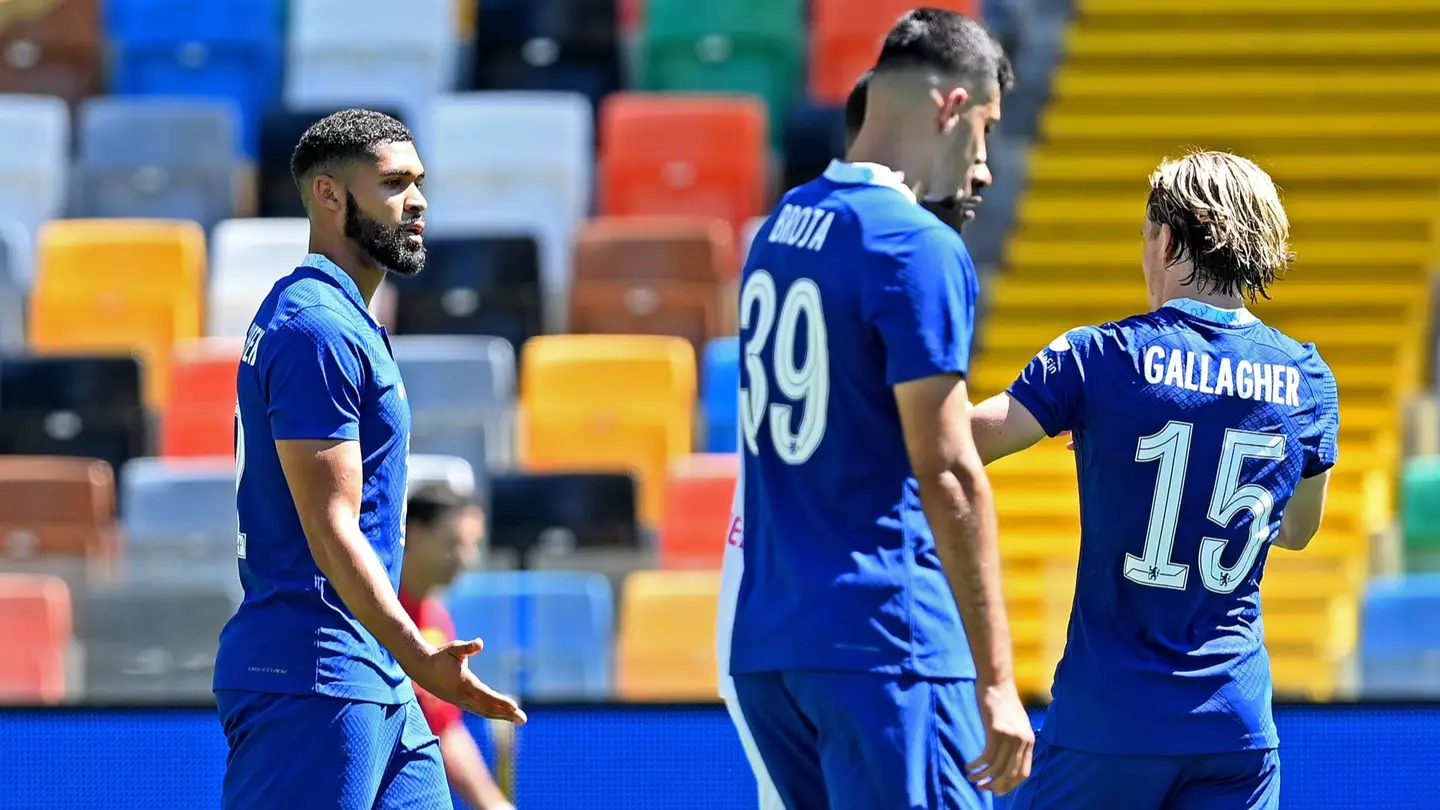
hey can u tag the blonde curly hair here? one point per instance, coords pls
(1227, 219)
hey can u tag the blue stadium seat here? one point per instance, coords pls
(547, 635)
(178, 514)
(156, 158)
(229, 49)
(462, 397)
(1400, 638)
(15, 257)
(720, 394)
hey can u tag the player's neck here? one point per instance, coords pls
(904, 158)
(1214, 299)
(357, 266)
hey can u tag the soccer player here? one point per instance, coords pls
(310, 679)
(1202, 438)
(954, 207)
(444, 532)
(863, 512)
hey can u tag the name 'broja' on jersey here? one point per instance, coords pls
(1192, 427)
(851, 288)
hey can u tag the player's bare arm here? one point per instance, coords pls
(1002, 427)
(955, 494)
(1303, 513)
(324, 478)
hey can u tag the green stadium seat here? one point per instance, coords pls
(743, 46)
(1420, 513)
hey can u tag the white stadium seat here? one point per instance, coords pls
(247, 257)
(34, 161)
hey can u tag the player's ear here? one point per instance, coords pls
(952, 103)
(327, 192)
(1167, 243)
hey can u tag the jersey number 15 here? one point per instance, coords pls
(806, 383)
(1171, 447)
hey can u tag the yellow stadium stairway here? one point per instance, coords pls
(1340, 102)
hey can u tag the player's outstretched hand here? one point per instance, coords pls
(446, 675)
(1009, 741)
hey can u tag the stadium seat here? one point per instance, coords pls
(1400, 638)
(845, 38)
(462, 397)
(156, 158)
(151, 640)
(247, 257)
(752, 46)
(1420, 513)
(561, 514)
(83, 407)
(548, 635)
(280, 131)
(228, 50)
(179, 515)
(57, 516)
(148, 297)
(52, 49)
(450, 471)
(199, 419)
(654, 276)
(608, 403)
(548, 45)
(666, 645)
(15, 259)
(513, 163)
(34, 160)
(476, 285)
(700, 498)
(720, 394)
(35, 632)
(691, 155)
(344, 53)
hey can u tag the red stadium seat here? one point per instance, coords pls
(57, 514)
(845, 38)
(199, 420)
(693, 155)
(35, 630)
(701, 490)
(51, 48)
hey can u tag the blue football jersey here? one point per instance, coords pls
(850, 289)
(314, 366)
(1192, 427)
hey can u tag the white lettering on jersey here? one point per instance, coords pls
(1263, 382)
(252, 345)
(802, 227)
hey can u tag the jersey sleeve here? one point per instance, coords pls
(314, 375)
(1052, 385)
(1320, 438)
(922, 305)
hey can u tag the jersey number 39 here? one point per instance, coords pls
(804, 383)
(1171, 447)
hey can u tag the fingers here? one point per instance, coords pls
(1003, 765)
(465, 649)
(486, 702)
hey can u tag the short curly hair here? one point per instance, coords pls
(1228, 221)
(342, 137)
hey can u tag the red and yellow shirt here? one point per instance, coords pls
(435, 625)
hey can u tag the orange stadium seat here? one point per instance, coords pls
(845, 39)
(57, 515)
(700, 492)
(666, 644)
(200, 415)
(123, 286)
(35, 630)
(51, 48)
(653, 276)
(699, 155)
(622, 403)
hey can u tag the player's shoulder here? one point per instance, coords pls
(312, 307)
(1306, 355)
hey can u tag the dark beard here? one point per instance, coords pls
(388, 246)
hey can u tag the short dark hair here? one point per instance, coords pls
(344, 136)
(855, 106)
(432, 504)
(946, 41)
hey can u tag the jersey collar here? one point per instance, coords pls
(1214, 314)
(342, 279)
(867, 174)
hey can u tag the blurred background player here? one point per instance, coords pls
(956, 207)
(310, 679)
(444, 535)
(1202, 436)
(847, 645)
